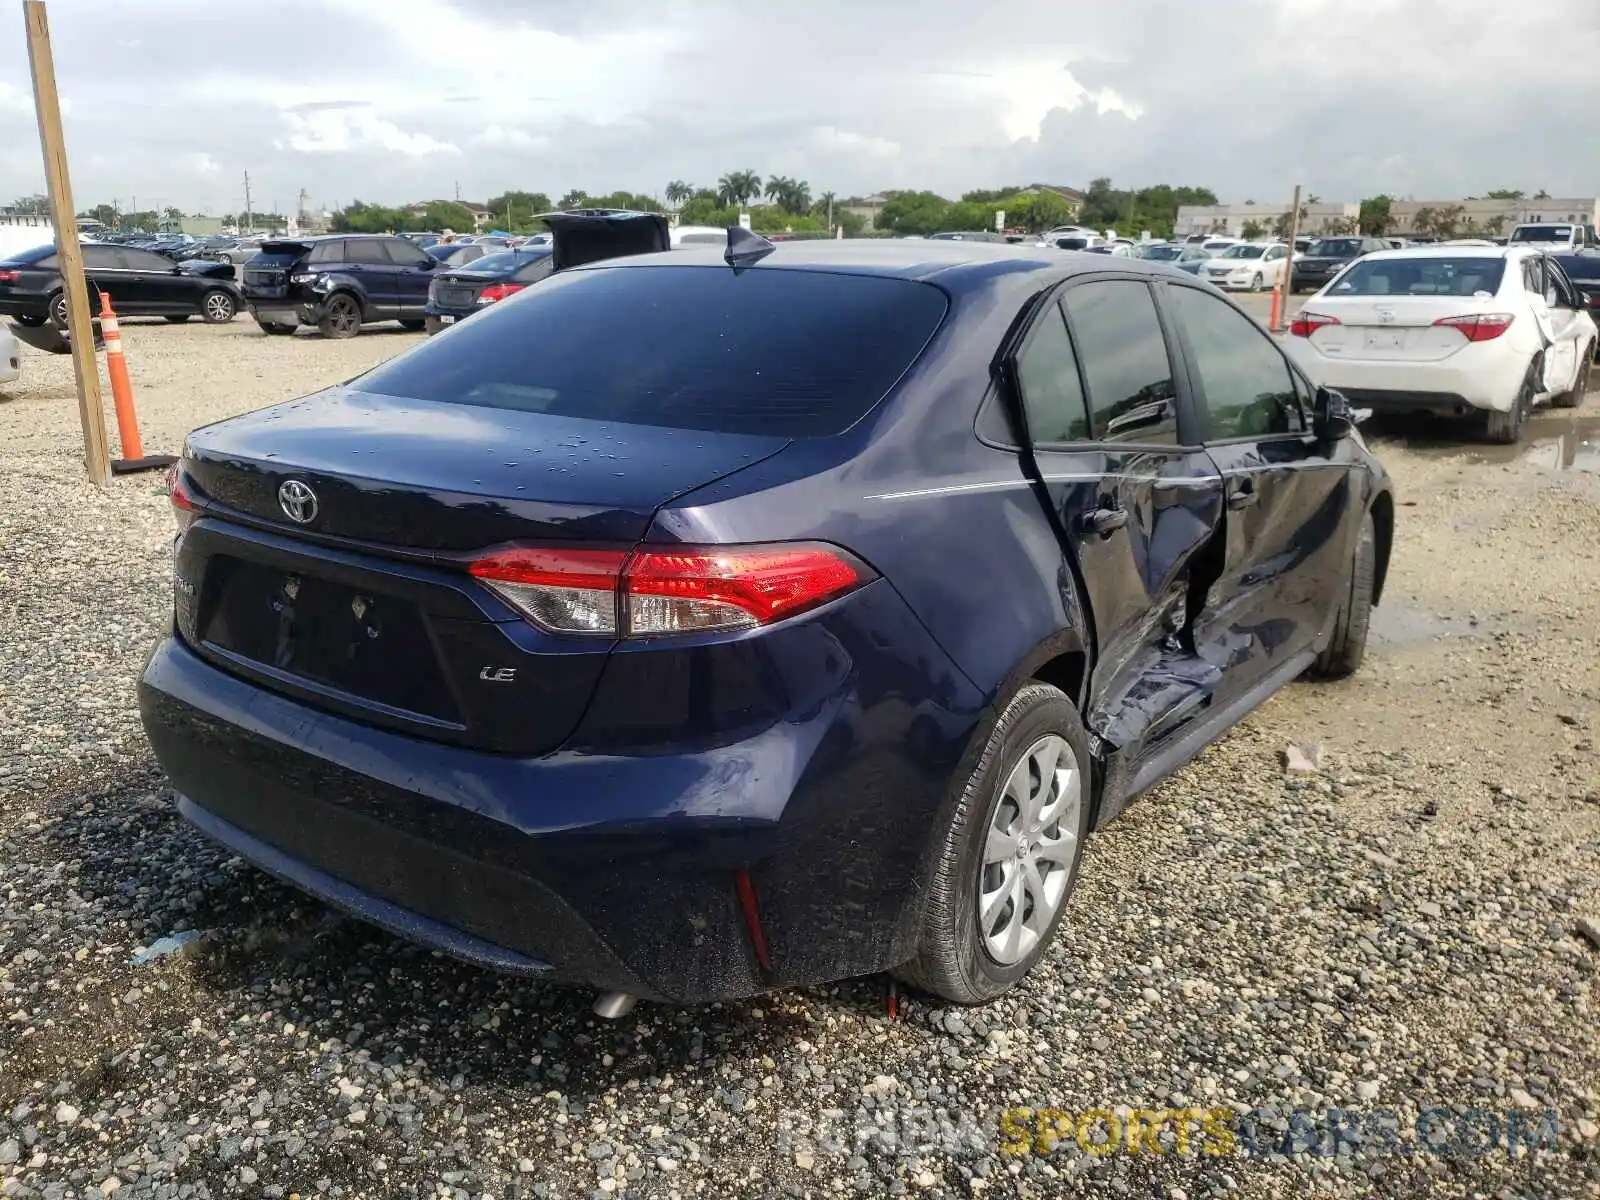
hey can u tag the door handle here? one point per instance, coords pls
(1104, 521)
(1242, 497)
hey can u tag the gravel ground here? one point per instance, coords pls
(1399, 930)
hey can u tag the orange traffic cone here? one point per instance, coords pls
(134, 458)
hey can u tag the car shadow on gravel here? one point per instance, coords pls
(271, 958)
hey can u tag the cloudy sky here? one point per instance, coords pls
(170, 101)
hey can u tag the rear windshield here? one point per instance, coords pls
(1542, 233)
(780, 352)
(1421, 277)
(39, 256)
(1160, 253)
(506, 261)
(1335, 247)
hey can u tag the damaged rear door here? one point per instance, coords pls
(1136, 511)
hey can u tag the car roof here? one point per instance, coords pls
(1448, 251)
(955, 265)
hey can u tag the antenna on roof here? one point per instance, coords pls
(745, 247)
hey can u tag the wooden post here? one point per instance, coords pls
(80, 325)
(1288, 270)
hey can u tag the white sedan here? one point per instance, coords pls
(1248, 266)
(1483, 331)
(10, 356)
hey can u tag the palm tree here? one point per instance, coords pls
(1422, 220)
(737, 187)
(799, 196)
(777, 189)
(678, 191)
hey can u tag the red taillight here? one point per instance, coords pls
(1479, 327)
(499, 291)
(184, 506)
(10, 276)
(652, 592)
(1307, 323)
(569, 591)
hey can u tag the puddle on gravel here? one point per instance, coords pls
(1552, 442)
(1403, 625)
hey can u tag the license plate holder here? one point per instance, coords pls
(1383, 339)
(447, 319)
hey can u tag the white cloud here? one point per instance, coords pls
(315, 129)
(508, 136)
(202, 164)
(867, 146)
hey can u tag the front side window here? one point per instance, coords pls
(1247, 389)
(1047, 374)
(1125, 362)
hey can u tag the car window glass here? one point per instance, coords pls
(1125, 363)
(403, 254)
(1047, 374)
(361, 250)
(1565, 292)
(146, 260)
(326, 252)
(1531, 276)
(101, 258)
(1247, 389)
(734, 352)
(536, 270)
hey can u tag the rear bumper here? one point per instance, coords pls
(611, 865)
(1467, 380)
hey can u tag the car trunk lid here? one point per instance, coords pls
(266, 274)
(1395, 328)
(334, 570)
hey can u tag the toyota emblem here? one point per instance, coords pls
(1385, 316)
(299, 503)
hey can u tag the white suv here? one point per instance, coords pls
(1555, 236)
(1484, 331)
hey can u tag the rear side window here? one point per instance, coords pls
(1125, 363)
(359, 251)
(327, 252)
(782, 352)
(1421, 277)
(1047, 374)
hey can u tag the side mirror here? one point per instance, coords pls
(1332, 419)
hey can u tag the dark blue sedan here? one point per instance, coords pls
(458, 293)
(688, 627)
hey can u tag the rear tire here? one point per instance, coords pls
(1505, 428)
(58, 310)
(29, 320)
(276, 329)
(966, 958)
(1348, 645)
(1580, 386)
(341, 317)
(411, 326)
(217, 307)
(177, 318)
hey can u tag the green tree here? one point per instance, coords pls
(516, 210)
(913, 212)
(1337, 226)
(1376, 215)
(1541, 194)
(1422, 221)
(678, 191)
(738, 187)
(703, 208)
(360, 217)
(1447, 220)
(1504, 194)
(1495, 225)
(1253, 229)
(576, 198)
(106, 214)
(31, 205)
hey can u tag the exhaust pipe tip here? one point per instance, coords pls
(613, 1006)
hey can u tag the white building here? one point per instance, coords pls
(1231, 219)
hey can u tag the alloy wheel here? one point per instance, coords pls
(342, 313)
(219, 307)
(1028, 850)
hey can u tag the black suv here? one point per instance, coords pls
(1328, 256)
(338, 283)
